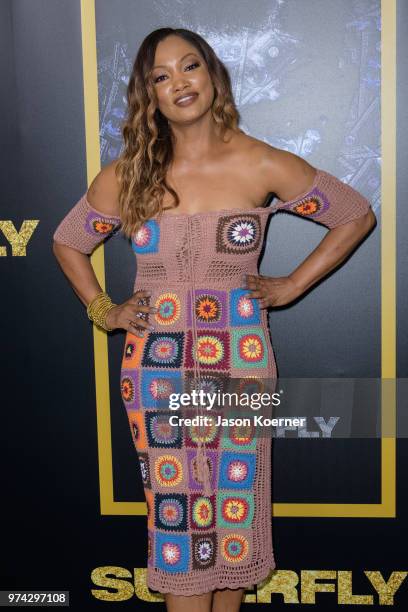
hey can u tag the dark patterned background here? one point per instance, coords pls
(306, 77)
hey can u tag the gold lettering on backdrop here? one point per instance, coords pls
(141, 590)
(285, 583)
(386, 590)
(281, 581)
(309, 586)
(18, 240)
(100, 577)
(346, 592)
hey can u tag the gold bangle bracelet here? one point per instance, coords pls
(98, 309)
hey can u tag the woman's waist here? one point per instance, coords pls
(218, 275)
(227, 284)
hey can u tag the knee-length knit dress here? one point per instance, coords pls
(214, 531)
(207, 489)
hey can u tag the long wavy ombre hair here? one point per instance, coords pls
(142, 166)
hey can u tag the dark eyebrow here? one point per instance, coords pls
(184, 56)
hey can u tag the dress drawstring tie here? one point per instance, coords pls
(203, 469)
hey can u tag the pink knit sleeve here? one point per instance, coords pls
(84, 227)
(329, 201)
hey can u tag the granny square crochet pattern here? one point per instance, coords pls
(198, 542)
(207, 487)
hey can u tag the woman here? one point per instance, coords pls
(189, 191)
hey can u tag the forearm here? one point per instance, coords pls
(337, 244)
(78, 269)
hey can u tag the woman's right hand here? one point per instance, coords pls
(128, 315)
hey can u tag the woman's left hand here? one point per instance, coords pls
(272, 291)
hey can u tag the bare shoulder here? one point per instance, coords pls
(278, 171)
(103, 192)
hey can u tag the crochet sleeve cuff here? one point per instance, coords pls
(84, 227)
(329, 202)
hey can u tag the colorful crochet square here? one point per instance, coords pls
(168, 308)
(236, 436)
(210, 381)
(163, 350)
(146, 240)
(160, 432)
(312, 205)
(243, 310)
(237, 470)
(145, 470)
(169, 471)
(204, 550)
(212, 350)
(98, 225)
(172, 552)
(234, 547)
(212, 461)
(129, 386)
(202, 511)
(252, 384)
(171, 511)
(210, 308)
(248, 348)
(234, 509)
(132, 353)
(238, 234)
(208, 432)
(137, 428)
(157, 386)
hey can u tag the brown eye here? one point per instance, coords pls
(156, 80)
(195, 64)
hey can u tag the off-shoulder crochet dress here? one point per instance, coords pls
(208, 491)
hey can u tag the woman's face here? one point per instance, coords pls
(179, 70)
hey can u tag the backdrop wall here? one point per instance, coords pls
(306, 78)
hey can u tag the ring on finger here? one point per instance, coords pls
(136, 326)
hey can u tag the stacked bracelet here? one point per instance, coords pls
(98, 308)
